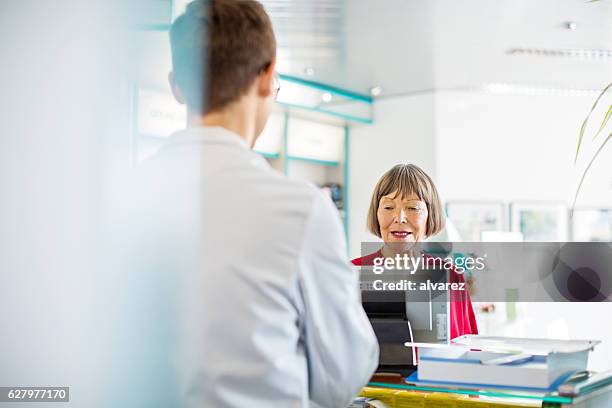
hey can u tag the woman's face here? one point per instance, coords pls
(402, 219)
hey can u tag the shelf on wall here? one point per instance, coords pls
(349, 118)
(332, 166)
(269, 155)
(314, 161)
(325, 99)
(328, 88)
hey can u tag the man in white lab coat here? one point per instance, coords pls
(275, 319)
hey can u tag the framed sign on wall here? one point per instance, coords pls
(545, 222)
(473, 218)
(592, 224)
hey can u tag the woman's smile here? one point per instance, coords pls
(401, 234)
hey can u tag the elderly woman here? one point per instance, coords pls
(405, 209)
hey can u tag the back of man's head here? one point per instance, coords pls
(219, 47)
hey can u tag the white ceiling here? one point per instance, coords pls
(408, 46)
(472, 42)
(419, 45)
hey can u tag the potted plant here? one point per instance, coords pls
(603, 129)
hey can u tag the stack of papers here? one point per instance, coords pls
(480, 361)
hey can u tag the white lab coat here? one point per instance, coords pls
(271, 314)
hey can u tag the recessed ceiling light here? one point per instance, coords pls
(309, 71)
(570, 25)
(375, 90)
(326, 97)
(578, 53)
(523, 89)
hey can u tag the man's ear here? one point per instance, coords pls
(266, 80)
(178, 95)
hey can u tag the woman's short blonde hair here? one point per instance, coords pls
(406, 179)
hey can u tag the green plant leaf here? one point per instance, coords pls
(586, 170)
(604, 122)
(586, 120)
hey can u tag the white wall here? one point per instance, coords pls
(403, 132)
(515, 147)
